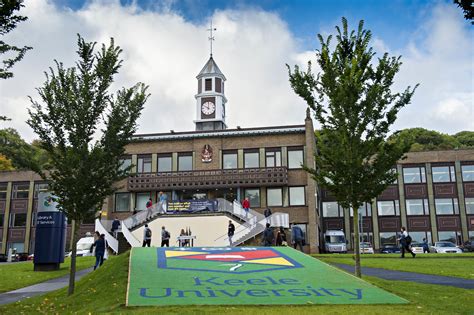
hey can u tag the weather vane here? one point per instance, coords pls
(211, 38)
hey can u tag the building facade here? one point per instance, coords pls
(433, 198)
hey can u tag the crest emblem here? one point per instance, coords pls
(206, 154)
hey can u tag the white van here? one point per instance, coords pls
(335, 241)
(84, 247)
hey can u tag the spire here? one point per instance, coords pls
(210, 68)
(211, 38)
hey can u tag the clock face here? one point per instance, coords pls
(208, 108)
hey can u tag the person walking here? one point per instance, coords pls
(426, 248)
(246, 206)
(163, 200)
(230, 232)
(297, 237)
(405, 241)
(99, 246)
(149, 209)
(115, 226)
(165, 237)
(146, 236)
(268, 236)
(281, 237)
(268, 215)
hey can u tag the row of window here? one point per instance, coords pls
(296, 197)
(229, 160)
(392, 207)
(22, 190)
(440, 174)
(391, 238)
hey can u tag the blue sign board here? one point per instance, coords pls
(50, 238)
(187, 206)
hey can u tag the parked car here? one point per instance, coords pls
(417, 248)
(468, 246)
(390, 249)
(445, 247)
(366, 248)
(83, 247)
(3, 258)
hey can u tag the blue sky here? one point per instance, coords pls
(392, 20)
(165, 46)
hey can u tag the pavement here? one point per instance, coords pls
(412, 277)
(40, 288)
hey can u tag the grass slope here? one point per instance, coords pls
(104, 290)
(454, 265)
(21, 274)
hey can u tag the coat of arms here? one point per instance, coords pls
(206, 154)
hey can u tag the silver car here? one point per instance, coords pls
(445, 248)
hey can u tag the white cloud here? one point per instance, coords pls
(165, 51)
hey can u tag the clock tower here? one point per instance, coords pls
(210, 98)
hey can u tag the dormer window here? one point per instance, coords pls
(218, 85)
(208, 85)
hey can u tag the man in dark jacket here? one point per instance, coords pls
(267, 213)
(115, 226)
(99, 245)
(230, 232)
(405, 241)
(268, 236)
(297, 236)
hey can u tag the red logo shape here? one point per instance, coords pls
(234, 256)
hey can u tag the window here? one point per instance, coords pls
(3, 191)
(185, 162)
(295, 157)
(332, 210)
(218, 85)
(144, 164)
(443, 174)
(17, 219)
(364, 237)
(251, 159)
(417, 237)
(20, 191)
(414, 175)
(450, 236)
(43, 187)
(467, 173)
(122, 202)
(365, 209)
(471, 236)
(164, 163)
(417, 207)
(141, 200)
(446, 206)
(208, 85)
(229, 159)
(469, 205)
(254, 197)
(388, 238)
(391, 207)
(125, 162)
(17, 247)
(273, 157)
(297, 196)
(274, 197)
(2, 216)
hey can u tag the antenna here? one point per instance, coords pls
(211, 38)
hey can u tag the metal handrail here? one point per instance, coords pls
(131, 239)
(141, 216)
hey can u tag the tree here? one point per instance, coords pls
(21, 154)
(75, 104)
(355, 107)
(5, 163)
(465, 138)
(421, 139)
(467, 8)
(8, 21)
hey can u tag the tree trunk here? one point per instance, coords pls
(72, 272)
(357, 270)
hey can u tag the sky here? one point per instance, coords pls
(165, 45)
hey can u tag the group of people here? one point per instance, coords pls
(147, 234)
(162, 199)
(270, 239)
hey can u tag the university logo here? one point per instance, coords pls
(236, 260)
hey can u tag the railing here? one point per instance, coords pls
(111, 241)
(131, 239)
(141, 216)
(217, 178)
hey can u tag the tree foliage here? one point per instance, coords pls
(353, 102)
(8, 21)
(467, 8)
(74, 104)
(420, 139)
(5, 163)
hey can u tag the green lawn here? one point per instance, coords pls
(21, 274)
(104, 290)
(455, 265)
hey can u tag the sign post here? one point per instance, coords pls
(50, 237)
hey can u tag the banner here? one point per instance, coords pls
(176, 206)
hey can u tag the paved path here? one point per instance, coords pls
(40, 288)
(411, 276)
